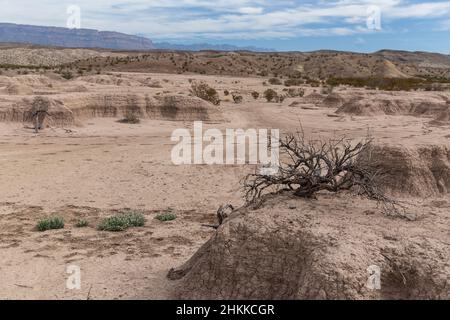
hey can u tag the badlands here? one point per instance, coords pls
(86, 164)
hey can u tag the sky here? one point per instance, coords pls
(283, 25)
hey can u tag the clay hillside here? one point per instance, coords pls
(313, 65)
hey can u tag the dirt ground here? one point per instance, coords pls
(100, 166)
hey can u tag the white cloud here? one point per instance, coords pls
(251, 10)
(255, 19)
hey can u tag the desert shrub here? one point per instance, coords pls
(275, 81)
(327, 90)
(293, 82)
(51, 223)
(122, 221)
(226, 92)
(388, 84)
(130, 117)
(255, 95)
(67, 75)
(309, 166)
(154, 84)
(281, 98)
(270, 95)
(237, 98)
(167, 216)
(205, 92)
(295, 92)
(82, 223)
(312, 82)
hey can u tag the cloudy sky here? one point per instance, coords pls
(356, 25)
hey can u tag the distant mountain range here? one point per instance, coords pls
(73, 38)
(88, 38)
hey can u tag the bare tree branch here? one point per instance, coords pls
(334, 165)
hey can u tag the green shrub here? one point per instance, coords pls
(255, 95)
(275, 81)
(67, 75)
(50, 223)
(295, 92)
(293, 82)
(270, 95)
(166, 216)
(122, 221)
(205, 92)
(82, 223)
(237, 98)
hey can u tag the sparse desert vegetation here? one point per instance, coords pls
(205, 92)
(166, 216)
(337, 206)
(122, 221)
(51, 223)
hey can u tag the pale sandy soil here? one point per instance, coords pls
(102, 166)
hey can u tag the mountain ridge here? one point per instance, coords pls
(71, 38)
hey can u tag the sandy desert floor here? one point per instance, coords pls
(102, 166)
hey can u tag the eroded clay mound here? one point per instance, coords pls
(391, 105)
(78, 88)
(115, 80)
(178, 107)
(19, 89)
(22, 111)
(419, 171)
(170, 107)
(35, 81)
(442, 119)
(333, 100)
(297, 249)
(313, 98)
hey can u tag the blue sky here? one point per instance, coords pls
(282, 25)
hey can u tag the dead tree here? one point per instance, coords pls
(39, 111)
(307, 167)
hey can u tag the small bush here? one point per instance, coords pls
(164, 217)
(293, 82)
(327, 90)
(122, 221)
(295, 92)
(226, 93)
(82, 223)
(51, 223)
(255, 95)
(237, 98)
(130, 117)
(270, 95)
(275, 81)
(67, 75)
(205, 92)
